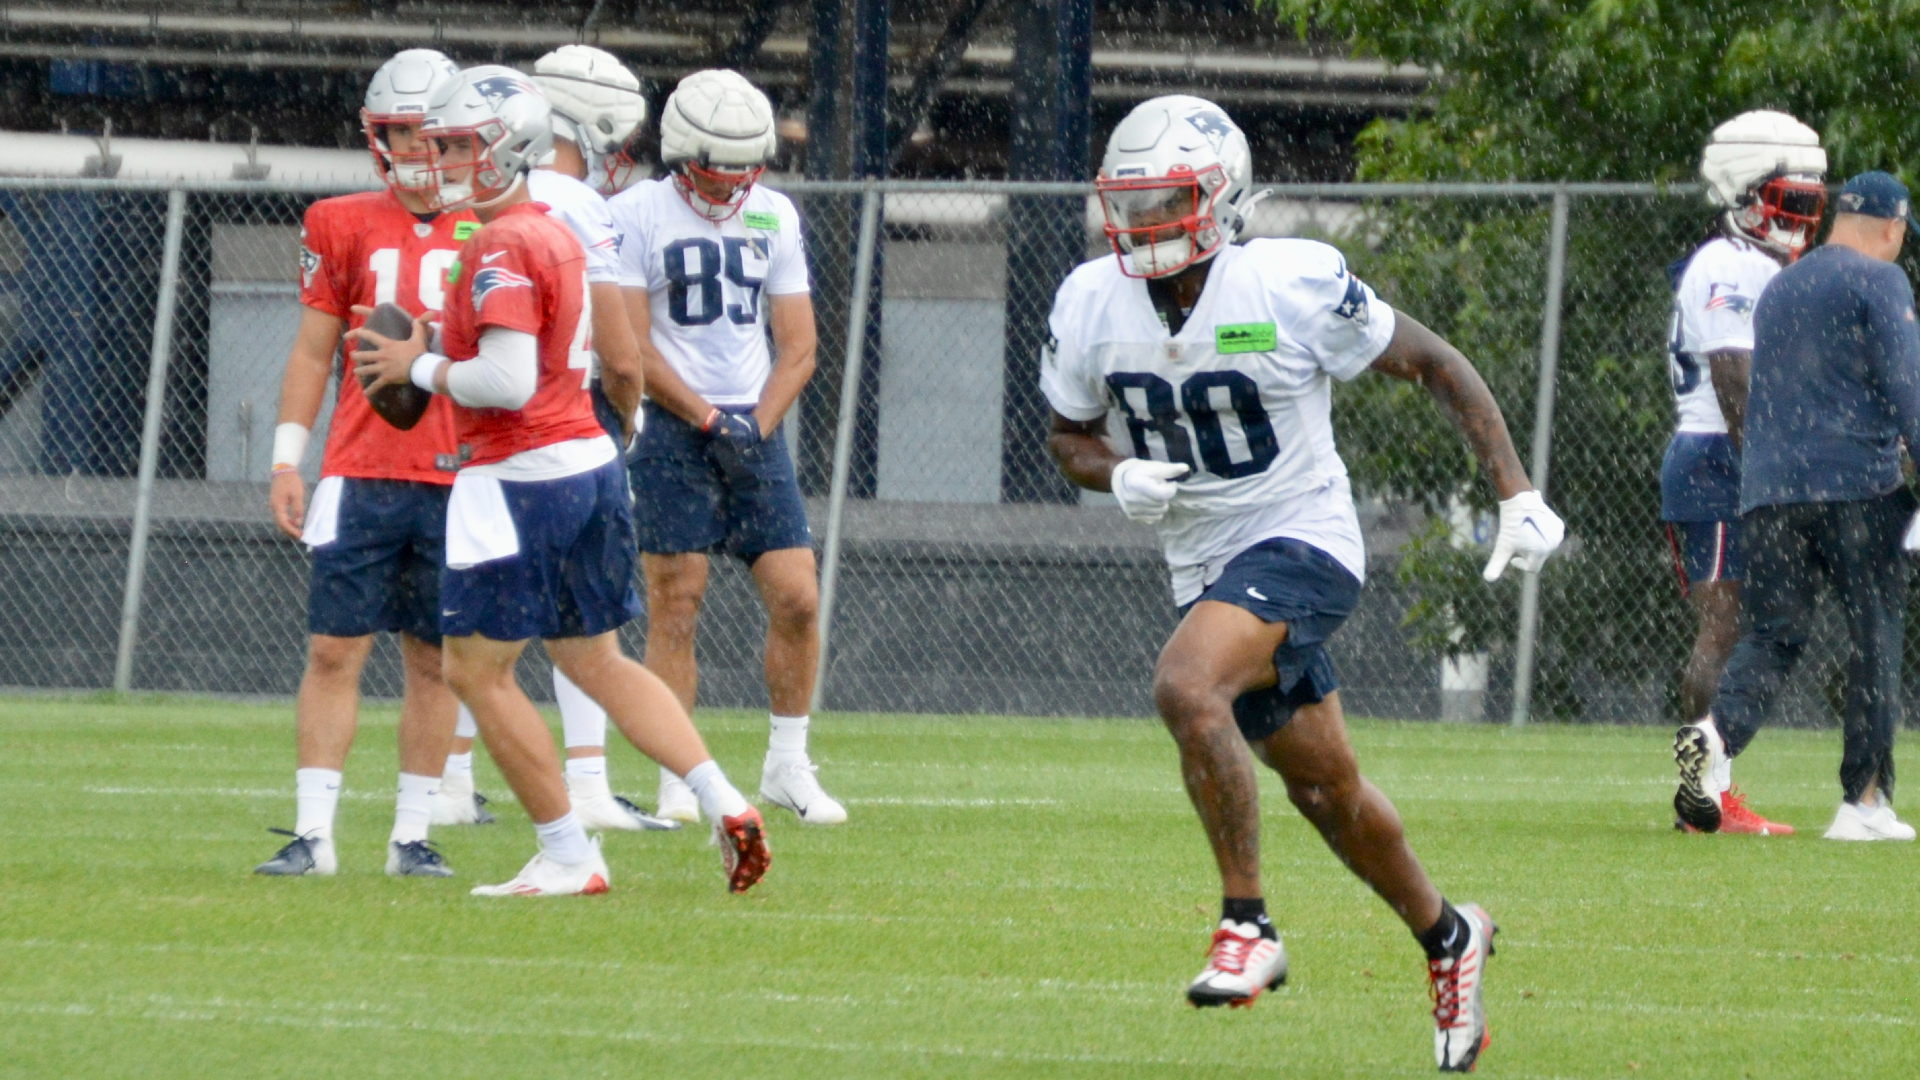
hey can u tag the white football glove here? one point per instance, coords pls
(1529, 532)
(1144, 488)
(1909, 543)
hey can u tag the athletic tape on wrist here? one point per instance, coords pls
(289, 445)
(424, 367)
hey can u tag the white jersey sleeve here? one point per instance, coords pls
(1712, 311)
(585, 212)
(787, 259)
(1073, 387)
(1327, 309)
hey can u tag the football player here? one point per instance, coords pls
(1766, 172)
(596, 106)
(377, 521)
(1220, 360)
(539, 533)
(709, 261)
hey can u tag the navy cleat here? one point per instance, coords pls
(304, 856)
(416, 858)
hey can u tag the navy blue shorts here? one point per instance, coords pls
(692, 493)
(573, 575)
(1292, 582)
(381, 571)
(1705, 552)
(1700, 478)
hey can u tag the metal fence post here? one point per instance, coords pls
(161, 356)
(857, 314)
(1528, 631)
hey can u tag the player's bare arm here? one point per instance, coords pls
(795, 343)
(301, 390)
(1731, 370)
(1080, 452)
(1418, 355)
(622, 371)
(663, 385)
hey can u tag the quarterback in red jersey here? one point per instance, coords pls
(539, 531)
(376, 524)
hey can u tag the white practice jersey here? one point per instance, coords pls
(584, 211)
(1242, 394)
(1712, 310)
(705, 281)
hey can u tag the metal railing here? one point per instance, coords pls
(958, 572)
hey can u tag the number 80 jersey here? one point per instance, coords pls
(707, 281)
(1242, 394)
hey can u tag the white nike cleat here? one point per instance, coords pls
(794, 786)
(1702, 757)
(604, 810)
(1868, 821)
(543, 876)
(677, 801)
(1459, 1013)
(303, 856)
(1241, 965)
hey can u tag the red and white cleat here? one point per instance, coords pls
(1240, 966)
(743, 849)
(1459, 1015)
(1735, 817)
(543, 876)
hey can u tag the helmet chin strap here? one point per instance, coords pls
(519, 181)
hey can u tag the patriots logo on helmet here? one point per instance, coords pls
(1354, 304)
(1730, 300)
(1213, 125)
(499, 88)
(496, 277)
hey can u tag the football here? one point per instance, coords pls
(403, 405)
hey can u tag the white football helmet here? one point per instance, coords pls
(508, 121)
(1173, 184)
(597, 106)
(398, 95)
(716, 127)
(1768, 172)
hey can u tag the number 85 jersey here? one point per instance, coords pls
(707, 282)
(1242, 394)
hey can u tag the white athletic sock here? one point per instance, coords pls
(668, 776)
(564, 840)
(718, 798)
(787, 743)
(413, 808)
(316, 794)
(465, 727)
(587, 776)
(582, 721)
(459, 765)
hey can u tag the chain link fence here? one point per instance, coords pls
(960, 573)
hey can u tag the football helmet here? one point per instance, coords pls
(1173, 184)
(508, 122)
(399, 94)
(597, 105)
(1767, 171)
(716, 127)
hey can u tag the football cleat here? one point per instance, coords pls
(677, 800)
(1241, 965)
(1735, 817)
(794, 787)
(1459, 1013)
(543, 876)
(470, 809)
(743, 849)
(1700, 754)
(1868, 821)
(304, 856)
(415, 858)
(598, 808)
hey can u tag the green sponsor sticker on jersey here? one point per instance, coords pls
(1246, 337)
(453, 273)
(760, 219)
(464, 229)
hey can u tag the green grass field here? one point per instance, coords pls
(1013, 897)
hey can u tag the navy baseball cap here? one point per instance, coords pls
(1877, 194)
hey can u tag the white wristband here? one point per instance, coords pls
(290, 444)
(423, 370)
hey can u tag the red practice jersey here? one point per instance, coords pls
(368, 249)
(524, 271)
